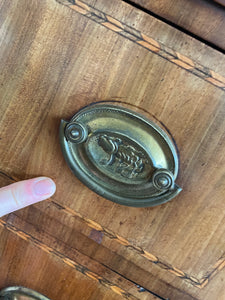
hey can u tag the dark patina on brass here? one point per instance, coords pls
(20, 293)
(121, 155)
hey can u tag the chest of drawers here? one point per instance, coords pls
(59, 56)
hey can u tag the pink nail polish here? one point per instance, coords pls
(45, 186)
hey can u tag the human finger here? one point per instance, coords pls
(23, 193)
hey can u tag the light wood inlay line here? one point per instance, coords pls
(199, 283)
(82, 269)
(147, 42)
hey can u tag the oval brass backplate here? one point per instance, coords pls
(20, 293)
(121, 155)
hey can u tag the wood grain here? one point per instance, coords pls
(150, 44)
(50, 224)
(72, 280)
(204, 19)
(161, 32)
(55, 59)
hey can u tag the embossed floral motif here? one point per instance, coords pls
(128, 161)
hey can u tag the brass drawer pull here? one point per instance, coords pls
(121, 155)
(20, 293)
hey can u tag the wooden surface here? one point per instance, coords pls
(203, 18)
(57, 58)
(26, 263)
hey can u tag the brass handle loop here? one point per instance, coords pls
(121, 155)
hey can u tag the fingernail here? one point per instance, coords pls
(44, 186)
